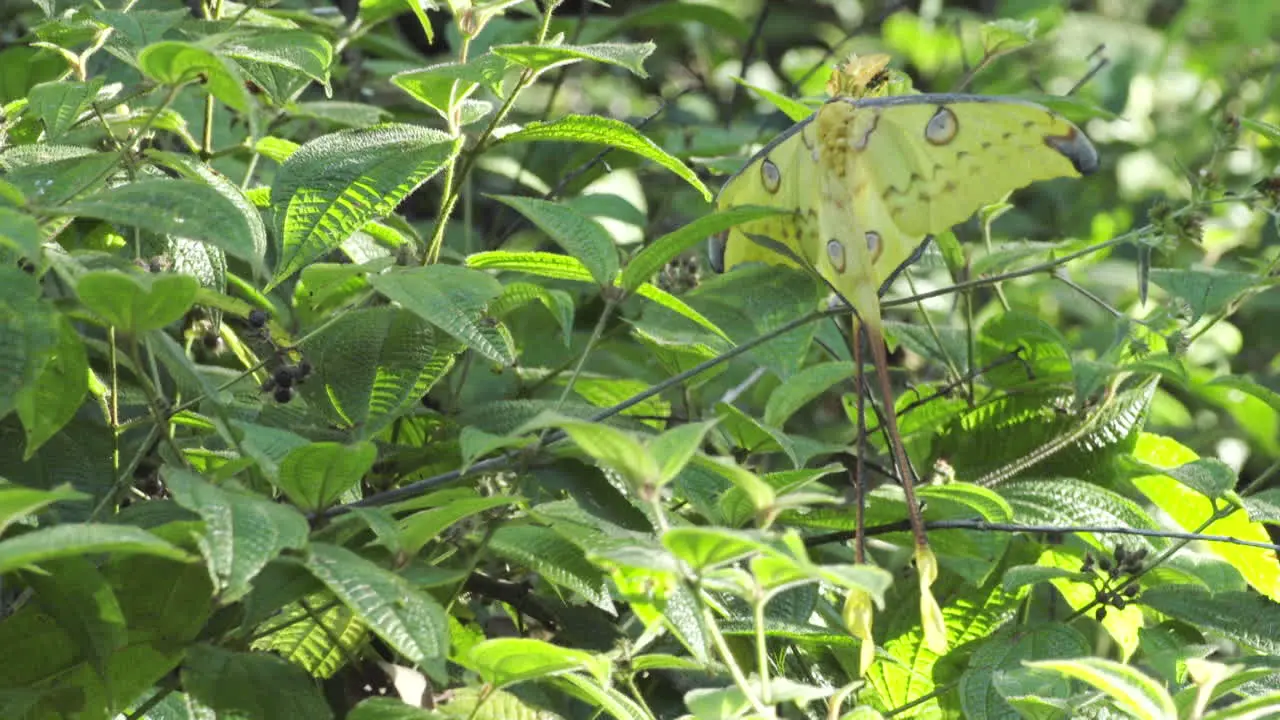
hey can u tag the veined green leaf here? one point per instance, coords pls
(1133, 690)
(579, 235)
(606, 131)
(541, 58)
(336, 183)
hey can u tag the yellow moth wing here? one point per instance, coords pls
(934, 160)
(782, 174)
(868, 180)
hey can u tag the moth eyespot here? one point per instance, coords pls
(835, 253)
(874, 245)
(942, 127)
(770, 175)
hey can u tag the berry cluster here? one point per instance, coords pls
(1114, 580)
(284, 381)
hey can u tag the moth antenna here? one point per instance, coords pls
(1094, 70)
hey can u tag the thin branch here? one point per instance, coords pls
(985, 526)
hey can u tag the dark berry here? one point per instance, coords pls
(211, 340)
(1105, 564)
(1130, 591)
(1088, 563)
(284, 394)
(1100, 614)
(304, 369)
(284, 377)
(1118, 602)
(257, 318)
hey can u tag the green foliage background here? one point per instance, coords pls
(373, 349)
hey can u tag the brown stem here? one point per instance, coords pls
(876, 340)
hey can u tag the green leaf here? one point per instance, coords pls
(372, 365)
(606, 131)
(1129, 687)
(250, 249)
(19, 233)
(799, 389)
(59, 105)
(708, 547)
(1193, 512)
(1020, 576)
(1005, 653)
(334, 184)
(315, 476)
(339, 112)
(475, 443)
(541, 58)
(558, 302)
(554, 558)
(137, 303)
(1067, 501)
(1248, 387)
(661, 251)
(388, 708)
(1033, 433)
(503, 662)
(314, 633)
(302, 52)
(1045, 352)
(73, 539)
(76, 593)
(579, 235)
(674, 448)
(50, 175)
(608, 698)
(17, 501)
(793, 109)
(1206, 290)
(53, 399)
(905, 670)
(453, 299)
(542, 264)
(1263, 506)
(758, 492)
(437, 85)
(243, 532)
(1249, 709)
(1245, 617)
(756, 299)
(418, 529)
(678, 306)
(409, 621)
(30, 330)
(257, 686)
(1208, 476)
(177, 63)
(183, 208)
(1267, 130)
(611, 447)
(1006, 35)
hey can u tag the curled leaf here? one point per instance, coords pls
(935, 627)
(857, 616)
